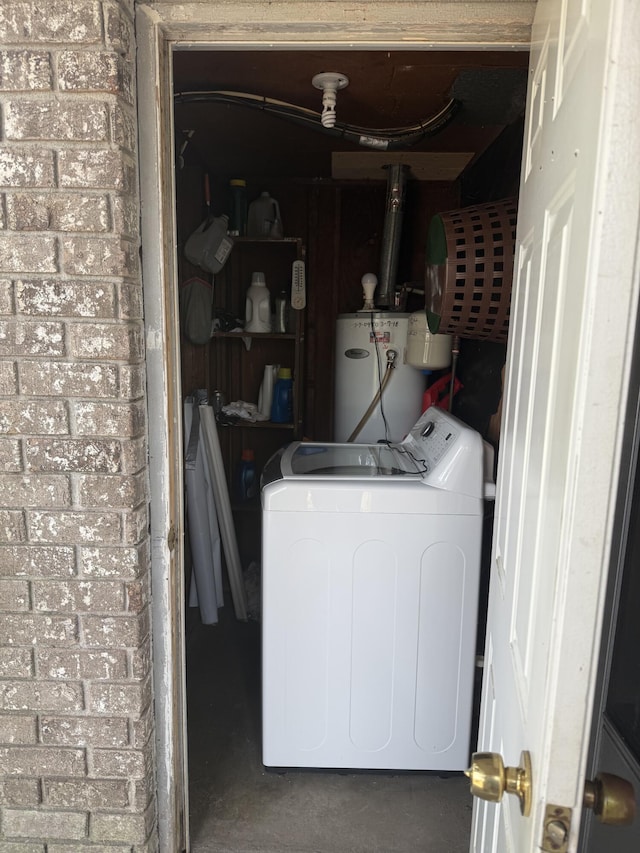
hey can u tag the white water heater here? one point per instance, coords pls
(362, 343)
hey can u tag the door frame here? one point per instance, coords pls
(374, 25)
(164, 419)
(602, 731)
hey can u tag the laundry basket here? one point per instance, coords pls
(470, 270)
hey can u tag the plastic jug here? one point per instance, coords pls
(209, 245)
(264, 217)
(258, 305)
(282, 405)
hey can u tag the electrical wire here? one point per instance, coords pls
(382, 139)
(381, 382)
(420, 464)
(455, 352)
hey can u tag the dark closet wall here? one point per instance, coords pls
(341, 226)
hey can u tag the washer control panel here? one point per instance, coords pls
(433, 435)
(435, 439)
(451, 454)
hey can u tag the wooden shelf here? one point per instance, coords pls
(237, 369)
(272, 240)
(255, 425)
(265, 336)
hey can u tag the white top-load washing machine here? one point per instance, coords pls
(370, 577)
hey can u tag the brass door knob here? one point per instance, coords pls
(611, 798)
(490, 778)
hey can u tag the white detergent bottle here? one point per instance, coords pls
(258, 305)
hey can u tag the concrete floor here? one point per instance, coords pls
(238, 807)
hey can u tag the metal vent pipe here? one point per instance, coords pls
(394, 210)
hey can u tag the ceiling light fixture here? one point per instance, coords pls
(329, 82)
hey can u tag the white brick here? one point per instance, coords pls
(39, 824)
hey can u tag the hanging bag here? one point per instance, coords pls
(196, 305)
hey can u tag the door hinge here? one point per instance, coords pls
(556, 829)
(172, 537)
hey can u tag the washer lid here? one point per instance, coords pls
(350, 461)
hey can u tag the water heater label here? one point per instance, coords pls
(356, 352)
(380, 337)
(377, 324)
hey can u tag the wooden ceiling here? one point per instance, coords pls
(386, 90)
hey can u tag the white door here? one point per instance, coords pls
(567, 374)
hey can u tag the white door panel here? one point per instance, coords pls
(574, 34)
(567, 365)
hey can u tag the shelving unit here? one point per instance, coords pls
(237, 362)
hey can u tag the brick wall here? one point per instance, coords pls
(76, 745)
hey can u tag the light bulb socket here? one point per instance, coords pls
(329, 82)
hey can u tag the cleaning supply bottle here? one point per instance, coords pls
(263, 219)
(246, 483)
(258, 305)
(238, 221)
(282, 405)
